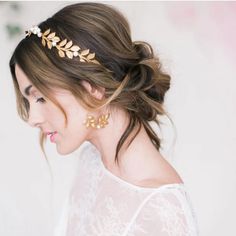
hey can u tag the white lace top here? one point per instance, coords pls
(101, 204)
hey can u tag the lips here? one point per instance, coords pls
(52, 136)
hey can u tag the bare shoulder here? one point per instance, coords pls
(145, 166)
(162, 173)
(155, 183)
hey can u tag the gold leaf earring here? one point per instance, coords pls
(101, 122)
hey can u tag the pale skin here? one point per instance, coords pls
(140, 164)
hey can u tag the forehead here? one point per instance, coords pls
(24, 83)
(21, 78)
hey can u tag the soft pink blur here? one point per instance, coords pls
(212, 23)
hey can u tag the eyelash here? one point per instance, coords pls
(41, 100)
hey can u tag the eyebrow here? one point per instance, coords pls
(27, 90)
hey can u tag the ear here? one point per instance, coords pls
(97, 93)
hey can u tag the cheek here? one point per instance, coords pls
(55, 117)
(74, 133)
(76, 130)
(76, 115)
(75, 123)
(72, 137)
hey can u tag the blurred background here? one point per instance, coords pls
(196, 44)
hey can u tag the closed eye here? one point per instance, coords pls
(41, 100)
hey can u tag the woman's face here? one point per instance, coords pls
(49, 118)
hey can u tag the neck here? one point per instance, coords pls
(106, 140)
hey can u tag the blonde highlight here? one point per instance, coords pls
(130, 73)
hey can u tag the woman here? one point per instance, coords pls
(79, 77)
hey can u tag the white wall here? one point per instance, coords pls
(195, 41)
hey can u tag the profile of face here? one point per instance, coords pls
(46, 116)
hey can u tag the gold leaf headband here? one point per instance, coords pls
(64, 48)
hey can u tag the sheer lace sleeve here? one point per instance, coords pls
(164, 213)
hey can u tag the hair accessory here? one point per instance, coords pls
(101, 123)
(65, 49)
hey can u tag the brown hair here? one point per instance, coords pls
(130, 73)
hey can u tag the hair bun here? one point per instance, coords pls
(143, 50)
(146, 75)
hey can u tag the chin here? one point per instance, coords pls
(66, 150)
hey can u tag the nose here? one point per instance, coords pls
(35, 118)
